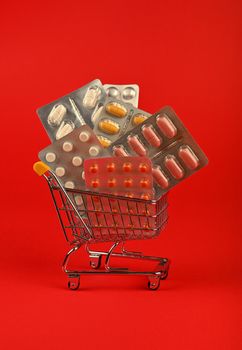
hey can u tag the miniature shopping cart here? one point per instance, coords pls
(87, 217)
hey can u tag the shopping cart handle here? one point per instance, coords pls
(40, 168)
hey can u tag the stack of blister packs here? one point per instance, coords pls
(102, 142)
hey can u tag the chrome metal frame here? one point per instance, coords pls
(108, 218)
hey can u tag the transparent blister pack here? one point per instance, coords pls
(128, 93)
(66, 156)
(130, 176)
(114, 118)
(165, 140)
(63, 115)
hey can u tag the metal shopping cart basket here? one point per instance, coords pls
(87, 217)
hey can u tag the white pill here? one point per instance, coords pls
(78, 200)
(77, 161)
(93, 151)
(83, 175)
(67, 146)
(69, 184)
(60, 171)
(50, 157)
(91, 97)
(84, 136)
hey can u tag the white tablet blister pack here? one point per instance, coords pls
(62, 116)
(66, 156)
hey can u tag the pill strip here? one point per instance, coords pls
(129, 176)
(164, 139)
(125, 93)
(66, 156)
(62, 116)
(114, 118)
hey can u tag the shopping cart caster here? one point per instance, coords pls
(154, 282)
(74, 283)
(95, 261)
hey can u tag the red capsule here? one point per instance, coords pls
(166, 126)
(136, 145)
(160, 177)
(119, 151)
(188, 157)
(173, 167)
(150, 136)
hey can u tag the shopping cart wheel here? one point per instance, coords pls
(74, 283)
(154, 283)
(95, 262)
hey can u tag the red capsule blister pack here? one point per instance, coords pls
(165, 140)
(129, 176)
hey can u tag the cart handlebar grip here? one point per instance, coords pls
(40, 168)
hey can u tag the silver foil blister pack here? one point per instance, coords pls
(114, 118)
(128, 93)
(165, 140)
(66, 156)
(63, 115)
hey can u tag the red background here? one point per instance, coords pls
(183, 53)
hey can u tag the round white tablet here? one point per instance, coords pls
(60, 171)
(94, 151)
(67, 146)
(50, 157)
(69, 184)
(84, 136)
(77, 161)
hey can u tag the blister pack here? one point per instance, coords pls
(114, 118)
(165, 140)
(126, 93)
(66, 156)
(62, 116)
(129, 176)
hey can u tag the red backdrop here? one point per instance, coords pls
(183, 53)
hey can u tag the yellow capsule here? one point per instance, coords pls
(108, 126)
(116, 109)
(139, 118)
(104, 141)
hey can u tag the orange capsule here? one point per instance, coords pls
(127, 167)
(94, 168)
(144, 183)
(128, 182)
(95, 183)
(111, 183)
(110, 167)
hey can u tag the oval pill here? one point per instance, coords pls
(138, 119)
(50, 157)
(136, 145)
(150, 136)
(94, 151)
(56, 115)
(105, 142)
(109, 127)
(64, 129)
(91, 97)
(77, 161)
(69, 184)
(67, 146)
(166, 126)
(116, 109)
(188, 157)
(119, 151)
(60, 171)
(173, 167)
(160, 177)
(84, 136)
